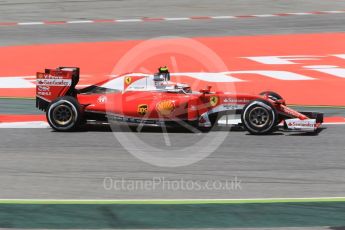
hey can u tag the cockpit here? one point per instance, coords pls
(159, 82)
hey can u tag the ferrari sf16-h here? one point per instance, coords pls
(152, 99)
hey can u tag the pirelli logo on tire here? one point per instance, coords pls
(142, 109)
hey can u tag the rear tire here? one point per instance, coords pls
(65, 114)
(259, 117)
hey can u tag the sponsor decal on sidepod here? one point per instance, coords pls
(142, 109)
(165, 108)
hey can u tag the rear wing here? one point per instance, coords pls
(54, 83)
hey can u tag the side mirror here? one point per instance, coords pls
(207, 90)
(280, 102)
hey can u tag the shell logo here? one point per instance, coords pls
(165, 108)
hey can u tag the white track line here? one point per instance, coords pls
(24, 125)
(30, 23)
(91, 21)
(334, 11)
(129, 20)
(176, 19)
(223, 17)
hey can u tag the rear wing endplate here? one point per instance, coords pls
(54, 83)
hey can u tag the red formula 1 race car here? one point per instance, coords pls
(155, 100)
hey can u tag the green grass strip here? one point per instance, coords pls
(174, 201)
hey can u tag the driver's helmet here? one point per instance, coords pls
(163, 69)
(163, 74)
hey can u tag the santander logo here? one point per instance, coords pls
(302, 124)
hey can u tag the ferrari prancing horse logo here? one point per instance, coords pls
(213, 100)
(142, 109)
(128, 80)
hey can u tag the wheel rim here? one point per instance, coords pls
(259, 117)
(62, 115)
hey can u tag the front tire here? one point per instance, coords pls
(259, 117)
(64, 114)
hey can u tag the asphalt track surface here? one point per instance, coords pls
(83, 10)
(35, 10)
(39, 163)
(147, 30)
